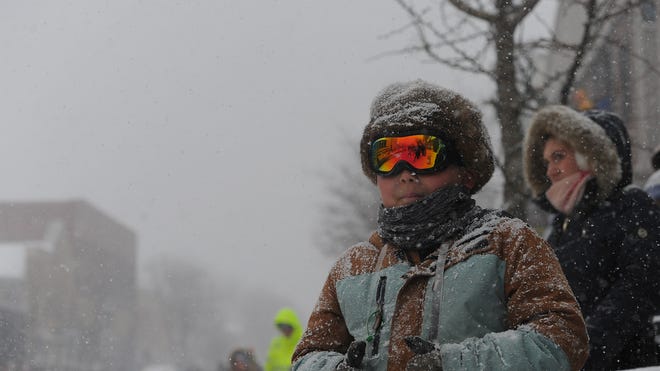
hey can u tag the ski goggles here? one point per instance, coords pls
(421, 153)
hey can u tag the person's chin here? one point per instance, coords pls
(404, 201)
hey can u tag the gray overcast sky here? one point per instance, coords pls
(199, 124)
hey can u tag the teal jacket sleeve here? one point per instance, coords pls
(520, 349)
(318, 361)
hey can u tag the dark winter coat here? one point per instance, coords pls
(609, 246)
(609, 254)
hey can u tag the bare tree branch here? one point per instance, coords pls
(474, 12)
(587, 40)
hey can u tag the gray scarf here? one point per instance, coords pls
(429, 222)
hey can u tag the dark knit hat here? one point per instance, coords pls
(418, 106)
(655, 159)
(616, 131)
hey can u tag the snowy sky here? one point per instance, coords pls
(203, 125)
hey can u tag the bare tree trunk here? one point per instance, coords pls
(508, 108)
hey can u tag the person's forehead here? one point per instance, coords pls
(553, 144)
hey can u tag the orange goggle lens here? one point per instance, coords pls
(424, 153)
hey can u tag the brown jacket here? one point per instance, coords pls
(505, 304)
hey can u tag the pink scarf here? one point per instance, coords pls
(566, 193)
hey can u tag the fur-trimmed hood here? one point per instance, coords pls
(419, 105)
(599, 136)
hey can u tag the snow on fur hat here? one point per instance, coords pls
(589, 134)
(408, 107)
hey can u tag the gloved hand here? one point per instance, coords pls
(427, 356)
(354, 356)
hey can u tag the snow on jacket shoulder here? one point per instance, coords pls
(505, 305)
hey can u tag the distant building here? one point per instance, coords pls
(620, 75)
(77, 294)
(13, 344)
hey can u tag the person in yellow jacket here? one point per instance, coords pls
(282, 346)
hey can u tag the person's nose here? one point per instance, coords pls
(551, 171)
(407, 176)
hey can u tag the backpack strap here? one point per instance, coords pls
(438, 283)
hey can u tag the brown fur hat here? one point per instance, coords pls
(583, 134)
(403, 108)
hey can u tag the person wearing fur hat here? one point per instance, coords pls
(605, 234)
(442, 284)
(652, 185)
